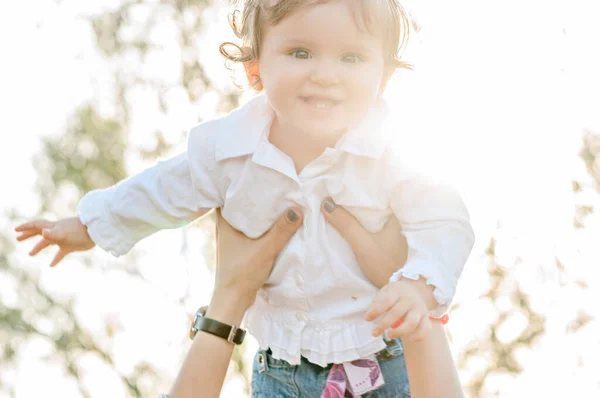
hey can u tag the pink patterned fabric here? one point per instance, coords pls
(352, 379)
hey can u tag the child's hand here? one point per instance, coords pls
(69, 234)
(403, 310)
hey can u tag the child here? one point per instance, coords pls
(315, 136)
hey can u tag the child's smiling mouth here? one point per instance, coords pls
(319, 102)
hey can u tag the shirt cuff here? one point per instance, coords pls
(104, 232)
(443, 290)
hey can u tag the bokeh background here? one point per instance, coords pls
(504, 102)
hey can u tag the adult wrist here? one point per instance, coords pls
(228, 307)
(243, 297)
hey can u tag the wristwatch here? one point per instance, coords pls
(231, 333)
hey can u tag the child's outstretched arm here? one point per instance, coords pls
(69, 234)
(170, 194)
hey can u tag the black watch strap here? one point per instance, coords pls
(233, 334)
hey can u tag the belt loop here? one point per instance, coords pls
(262, 361)
(394, 347)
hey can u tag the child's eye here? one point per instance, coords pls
(352, 58)
(300, 54)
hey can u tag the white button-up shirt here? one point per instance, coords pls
(314, 302)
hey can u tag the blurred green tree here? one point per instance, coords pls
(91, 153)
(590, 154)
(500, 357)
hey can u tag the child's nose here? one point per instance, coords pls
(325, 75)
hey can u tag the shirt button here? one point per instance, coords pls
(301, 316)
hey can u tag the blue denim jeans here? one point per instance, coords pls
(276, 378)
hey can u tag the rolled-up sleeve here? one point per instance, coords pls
(170, 194)
(438, 230)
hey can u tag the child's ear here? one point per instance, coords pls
(253, 75)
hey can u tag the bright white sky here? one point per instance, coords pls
(500, 97)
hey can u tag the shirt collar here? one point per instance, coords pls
(241, 131)
(370, 137)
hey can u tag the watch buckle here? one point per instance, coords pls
(232, 334)
(193, 329)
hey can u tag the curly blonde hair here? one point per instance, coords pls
(386, 16)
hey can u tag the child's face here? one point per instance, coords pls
(320, 71)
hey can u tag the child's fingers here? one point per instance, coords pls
(410, 323)
(40, 246)
(398, 311)
(422, 330)
(27, 235)
(59, 256)
(382, 302)
(55, 234)
(35, 224)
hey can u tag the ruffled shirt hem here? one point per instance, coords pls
(290, 338)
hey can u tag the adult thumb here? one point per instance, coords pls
(342, 220)
(281, 232)
(360, 240)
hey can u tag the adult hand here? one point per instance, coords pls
(244, 264)
(379, 256)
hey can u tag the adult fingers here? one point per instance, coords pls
(35, 224)
(365, 245)
(281, 232)
(397, 311)
(392, 241)
(359, 239)
(224, 226)
(40, 246)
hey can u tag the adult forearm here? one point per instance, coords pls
(206, 363)
(431, 369)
